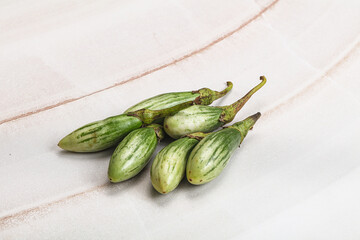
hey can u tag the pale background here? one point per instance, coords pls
(66, 63)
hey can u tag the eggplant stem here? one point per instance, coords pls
(222, 93)
(241, 102)
(231, 110)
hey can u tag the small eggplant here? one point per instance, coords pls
(134, 152)
(199, 118)
(210, 156)
(168, 167)
(204, 96)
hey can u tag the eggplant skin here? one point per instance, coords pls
(210, 156)
(100, 135)
(168, 167)
(197, 118)
(132, 154)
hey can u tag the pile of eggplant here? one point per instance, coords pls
(198, 152)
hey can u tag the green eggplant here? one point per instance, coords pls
(199, 118)
(134, 152)
(168, 167)
(204, 96)
(210, 156)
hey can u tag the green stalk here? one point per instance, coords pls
(230, 111)
(207, 96)
(245, 125)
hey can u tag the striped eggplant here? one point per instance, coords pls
(204, 96)
(168, 167)
(211, 155)
(100, 135)
(199, 118)
(134, 152)
(106, 133)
